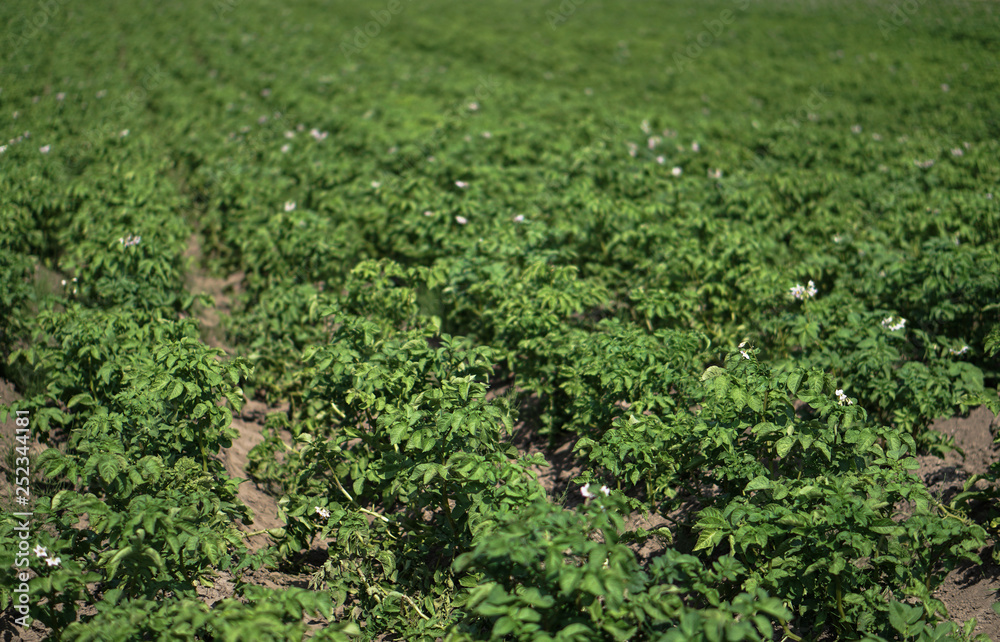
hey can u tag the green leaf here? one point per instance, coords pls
(396, 432)
(534, 597)
(795, 381)
(569, 580)
(784, 445)
(591, 584)
(739, 397)
(108, 468)
(503, 626)
(759, 482)
(708, 539)
(712, 372)
(61, 496)
(115, 561)
(886, 526)
(82, 398)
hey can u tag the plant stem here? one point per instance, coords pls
(336, 481)
(944, 509)
(789, 634)
(356, 505)
(410, 601)
(374, 589)
(840, 601)
(446, 506)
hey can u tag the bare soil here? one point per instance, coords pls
(970, 590)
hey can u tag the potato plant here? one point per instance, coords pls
(719, 264)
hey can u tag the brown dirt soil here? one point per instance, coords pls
(249, 422)
(970, 590)
(222, 292)
(234, 458)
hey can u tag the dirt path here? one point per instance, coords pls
(250, 421)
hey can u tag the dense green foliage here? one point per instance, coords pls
(739, 254)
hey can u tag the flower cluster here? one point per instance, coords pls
(14, 141)
(322, 512)
(959, 352)
(843, 399)
(801, 292)
(585, 491)
(51, 561)
(317, 134)
(129, 241)
(890, 324)
(289, 206)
